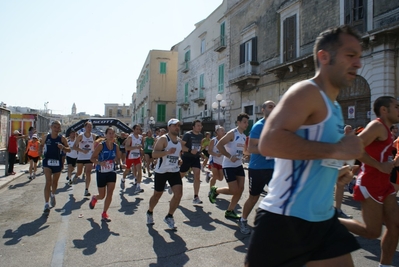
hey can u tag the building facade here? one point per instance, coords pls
(120, 112)
(155, 95)
(202, 73)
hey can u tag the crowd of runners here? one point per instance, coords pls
(299, 151)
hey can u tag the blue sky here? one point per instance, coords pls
(87, 52)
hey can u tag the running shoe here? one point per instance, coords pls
(208, 177)
(149, 174)
(342, 215)
(231, 215)
(87, 194)
(30, 177)
(105, 217)
(170, 190)
(52, 201)
(197, 200)
(244, 229)
(93, 202)
(122, 184)
(143, 168)
(74, 180)
(138, 190)
(213, 194)
(170, 222)
(67, 178)
(351, 185)
(46, 208)
(150, 219)
(34, 176)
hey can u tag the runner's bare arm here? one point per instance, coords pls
(302, 105)
(224, 140)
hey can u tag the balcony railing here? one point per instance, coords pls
(247, 70)
(185, 66)
(219, 43)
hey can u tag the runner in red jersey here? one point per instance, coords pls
(373, 187)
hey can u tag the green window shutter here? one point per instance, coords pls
(142, 112)
(187, 56)
(161, 112)
(162, 68)
(221, 79)
(146, 76)
(201, 85)
(222, 34)
(179, 115)
(248, 130)
(186, 93)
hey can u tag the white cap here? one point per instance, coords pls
(34, 136)
(173, 121)
(16, 132)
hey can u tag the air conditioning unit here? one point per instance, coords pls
(207, 113)
(258, 109)
(201, 114)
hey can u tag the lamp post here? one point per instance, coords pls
(151, 122)
(220, 106)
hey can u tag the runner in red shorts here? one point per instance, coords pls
(373, 187)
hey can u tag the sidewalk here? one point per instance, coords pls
(19, 170)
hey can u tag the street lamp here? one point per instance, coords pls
(151, 122)
(219, 106)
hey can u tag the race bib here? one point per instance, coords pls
(239, 154)
(134, 155)
(332, 163)
(108, 167)
(53, 162)
(32, 148)
(206, 148)
(172, 160)
(150, 147)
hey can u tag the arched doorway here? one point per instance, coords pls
(355, 103)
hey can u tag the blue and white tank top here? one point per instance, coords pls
(169, 163)
(304, 188)
(235, 147)
(108, 156)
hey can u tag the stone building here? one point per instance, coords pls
(118, 111)
(155, 95)
(271, 48)
(202, 73)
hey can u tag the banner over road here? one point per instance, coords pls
(99, 122)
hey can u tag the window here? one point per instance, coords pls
(187, 56)
(289, 40)
(221, 79)
(110, 113)
(146, 76)
(203, 46)
(201, 81)
(161, 112)
(128, 112)
(249, 110)
(248, 51)
(162, 68)
(222, 34)
(355, 14)
(119, 113)
(179, 114)
(186, 93)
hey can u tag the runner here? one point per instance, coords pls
(32, 150)
(260, 168)
(105, 156)
(191, 159)
(373, 187)
(216, 158)
(204, 149)
(52, 146)
(232, 147)
(296, 224)
(148, 144)
(133, 146)
(121, 142)
(84, 144)
(72, 156)
(167, 149)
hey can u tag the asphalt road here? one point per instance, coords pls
(74, 235)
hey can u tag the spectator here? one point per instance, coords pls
(13, 150)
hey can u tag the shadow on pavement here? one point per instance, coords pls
(240, 237)
(349, 201)
(168, 253)
(198, 218)
(373, 247)
(94, 237)
(71, 205)
(129, 208)
(15, 186)
(26, 229)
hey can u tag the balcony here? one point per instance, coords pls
(185, 66)
(200, 100)
(245, 76)
(184, 104)
(219, 44)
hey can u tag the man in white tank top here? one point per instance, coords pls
(167, 150)
(84, 144)
(134, 146)
(231, 146)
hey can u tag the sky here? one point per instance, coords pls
(87, 52)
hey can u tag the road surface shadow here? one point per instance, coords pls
(71, 205)
(198, 218)
(26, 229)
(94, 237)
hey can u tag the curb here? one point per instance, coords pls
(5, 180)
